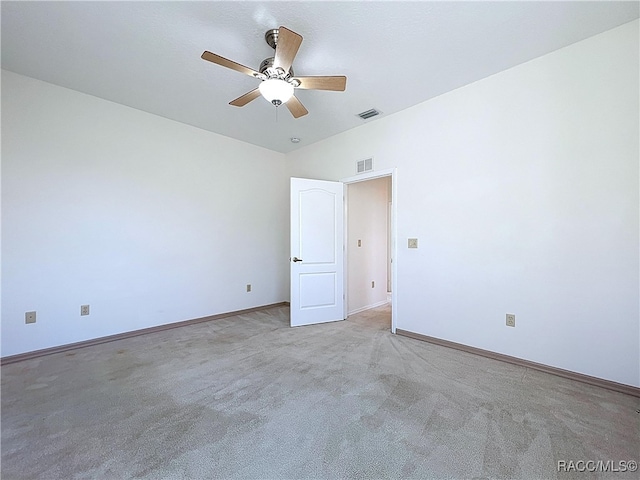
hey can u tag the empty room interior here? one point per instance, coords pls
(317, 239)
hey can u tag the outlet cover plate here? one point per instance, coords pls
(84, 310)
(413, 243)
(511, 320)
(30, 317)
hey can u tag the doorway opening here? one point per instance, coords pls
(370, 243)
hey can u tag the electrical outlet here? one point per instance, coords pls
(30, 317)
(373, 284)
(84, 310)
(359, 243)
(248, 287)
(511, 320)
(413, 243)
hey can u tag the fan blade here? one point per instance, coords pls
(212, 57)
(286, 49)
(296, 108)
(336, 83)
(246, 98)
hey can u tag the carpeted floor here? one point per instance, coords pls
(250, 397)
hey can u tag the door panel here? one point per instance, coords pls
(317, 275)
(318, 290)
(317, 226)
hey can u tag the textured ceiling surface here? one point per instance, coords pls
(395, 54)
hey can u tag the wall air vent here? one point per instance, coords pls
(365, 165)
(369, 113)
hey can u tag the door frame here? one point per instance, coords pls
(393, 173)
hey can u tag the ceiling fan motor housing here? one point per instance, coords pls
(267, 69)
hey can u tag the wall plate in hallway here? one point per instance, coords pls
(511, 320)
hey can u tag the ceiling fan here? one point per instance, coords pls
(276, 74)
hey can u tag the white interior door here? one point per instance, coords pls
(317, 266)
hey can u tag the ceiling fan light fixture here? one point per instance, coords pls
(276, 91)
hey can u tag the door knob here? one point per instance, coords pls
(296, 259)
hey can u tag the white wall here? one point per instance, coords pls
(522, 189)
(367, 210)
(147, 220)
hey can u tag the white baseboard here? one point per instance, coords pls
(368, 307)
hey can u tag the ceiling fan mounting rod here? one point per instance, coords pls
(266, 67)
(271, 37)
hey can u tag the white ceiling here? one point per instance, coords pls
(395, 54)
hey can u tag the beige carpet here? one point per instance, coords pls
(250, 397)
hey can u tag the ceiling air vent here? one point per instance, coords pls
(365, 165)
(368, 114)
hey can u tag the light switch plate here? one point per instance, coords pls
(413, 243)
